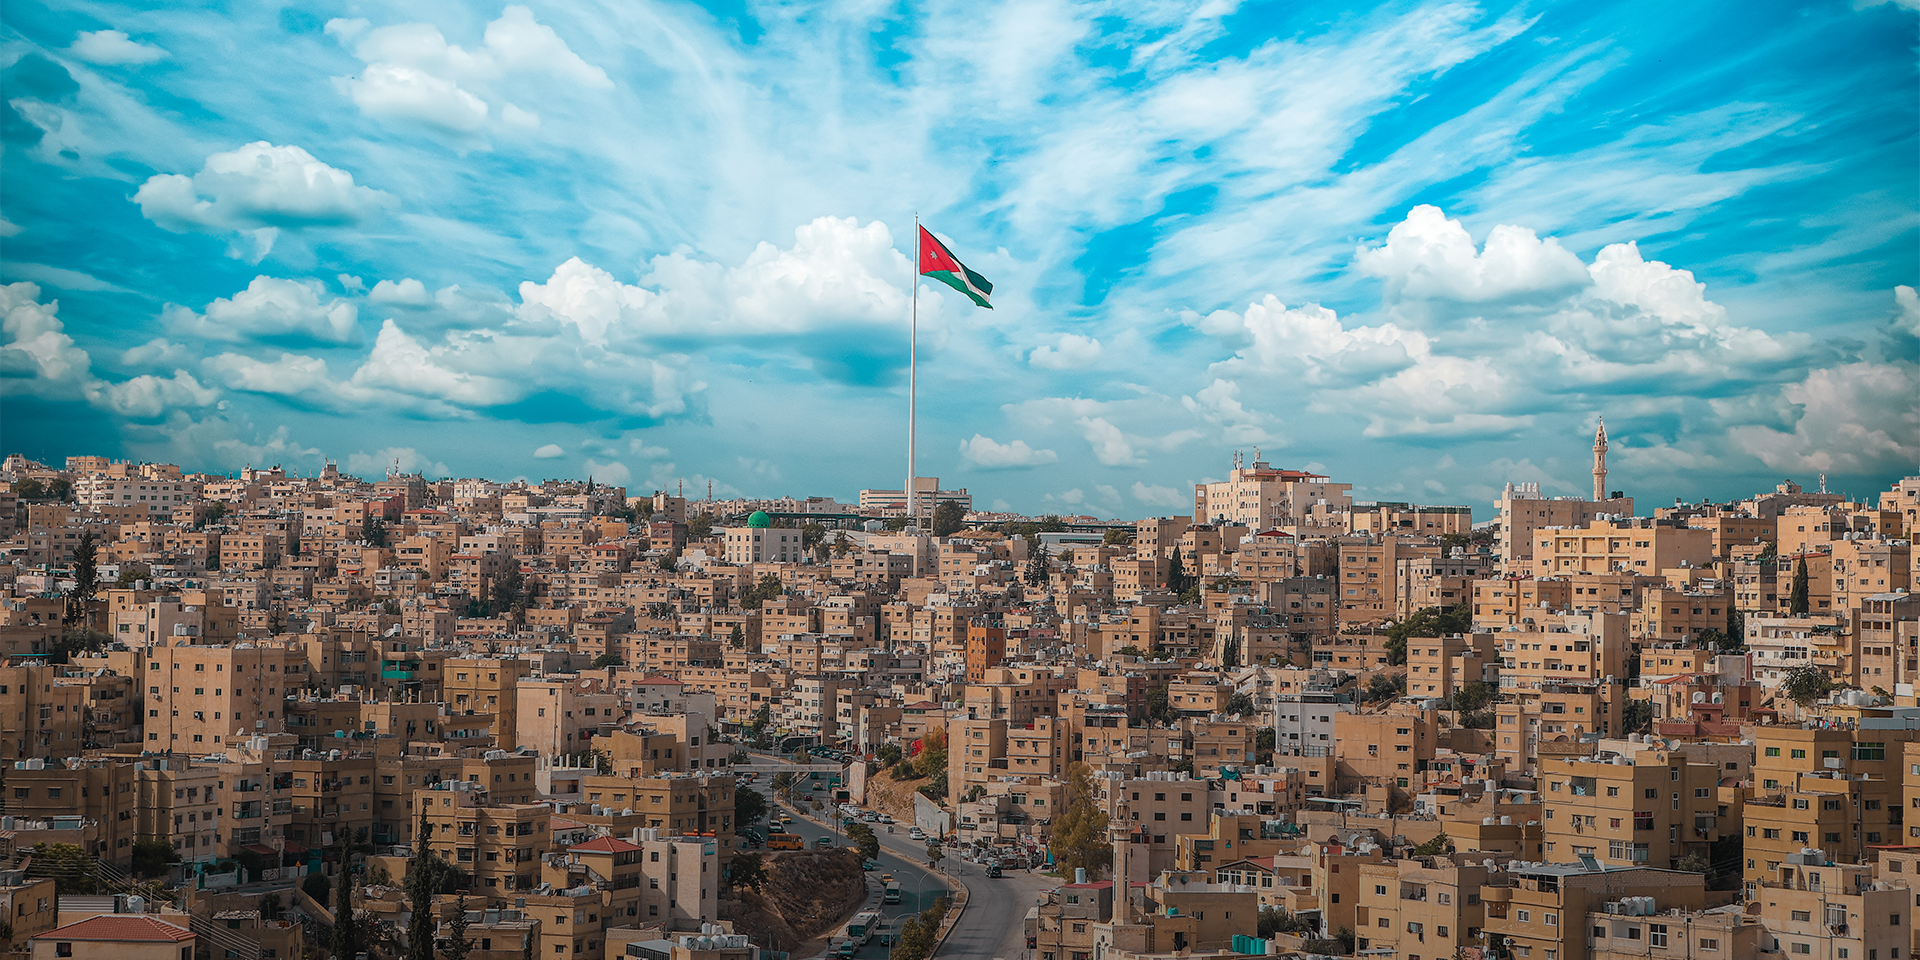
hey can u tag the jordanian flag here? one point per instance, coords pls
(938, 262)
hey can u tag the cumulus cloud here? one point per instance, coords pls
(289, 375)
(550, 451)
(1110, 445)
(1219, 404)
(271, 308)
(113, 48)
(614, 473)
(149, 397)
(39, 358)
(407, 292)
(1072, 350)
(158, 352)
(404, 365)
(1429, 256)
(1907, 320)
(1857, 418)
(985, 452)
(832, 299)
(415, 77)
(259, 189)
(1158, 496)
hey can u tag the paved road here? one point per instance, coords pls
(994, 925)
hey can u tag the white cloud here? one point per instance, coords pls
(614, 473)
(1071, 351)
(985, 452)
(290, 375)
(402, 364)
(1908, 319)
(415, 77)
(158, 352)
(39, 358)
(148, 397)
(258, 189)
(406, 293)
(389, 91)
(113, 48)
(1429, 256)
(1858, 418)
(1110, 445)
(1219, 404)
(551, 451)
(1158, 496)
(408, 459)
(271, 309)
(1310, 342)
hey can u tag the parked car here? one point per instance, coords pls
(917, 834)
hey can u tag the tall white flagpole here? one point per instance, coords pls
(913, 366)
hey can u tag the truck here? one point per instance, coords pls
(893, 892)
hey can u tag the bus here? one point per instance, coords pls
(785, 841)
(893, 892)
(860, 928)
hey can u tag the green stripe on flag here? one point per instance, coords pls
(972, 284)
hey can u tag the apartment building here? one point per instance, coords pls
(201, 697)
(1634, 807)
(1523, 510)
(1427, 906)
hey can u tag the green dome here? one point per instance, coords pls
(759, 518)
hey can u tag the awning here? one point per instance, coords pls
(261, 849)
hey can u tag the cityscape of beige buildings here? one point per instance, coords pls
(1315, 724)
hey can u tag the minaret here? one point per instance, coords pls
(1600, 462)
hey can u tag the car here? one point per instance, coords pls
(869, 865)
(917, 834)
(993, 870)
(823, 843)
(847, 948)
(886, 878)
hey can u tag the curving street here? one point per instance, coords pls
(993, 925)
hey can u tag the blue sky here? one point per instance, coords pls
(1419, 246)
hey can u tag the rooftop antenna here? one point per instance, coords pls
(1823, 483)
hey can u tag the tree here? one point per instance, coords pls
(700, 526)
(842, 544)
(948, 518)
(606, 660)
(374, 531)
(1160, 706)
(1177, 580)
(864, 841)
(1636, 716)
(86, 578)
(346, 929)
(1276, 920)
(1472, 696)
(1386, 686)
(889, 754)
(1117, 537)
(1797, 602)
(934, 853)
(749, 808)
(1434, 847)
(737, 638)
(68, 864)
(1038, 564)
(1239, 705)
(1694, 863)
(768, 587)
(151, 857)
(271, 907)
(316, 886)
(747, 871)
(1805, 684)
(1427, 622)
(812, 534)
(1079, 838)
(458, 946)
(420, 888)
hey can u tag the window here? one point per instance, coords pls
(1657, 934)
(1709, 943)
(1870, 751)
(1524, 916)
(1802, 948)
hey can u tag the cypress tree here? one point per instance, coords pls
(1797, 601)
(346, 931)
(420, 883)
